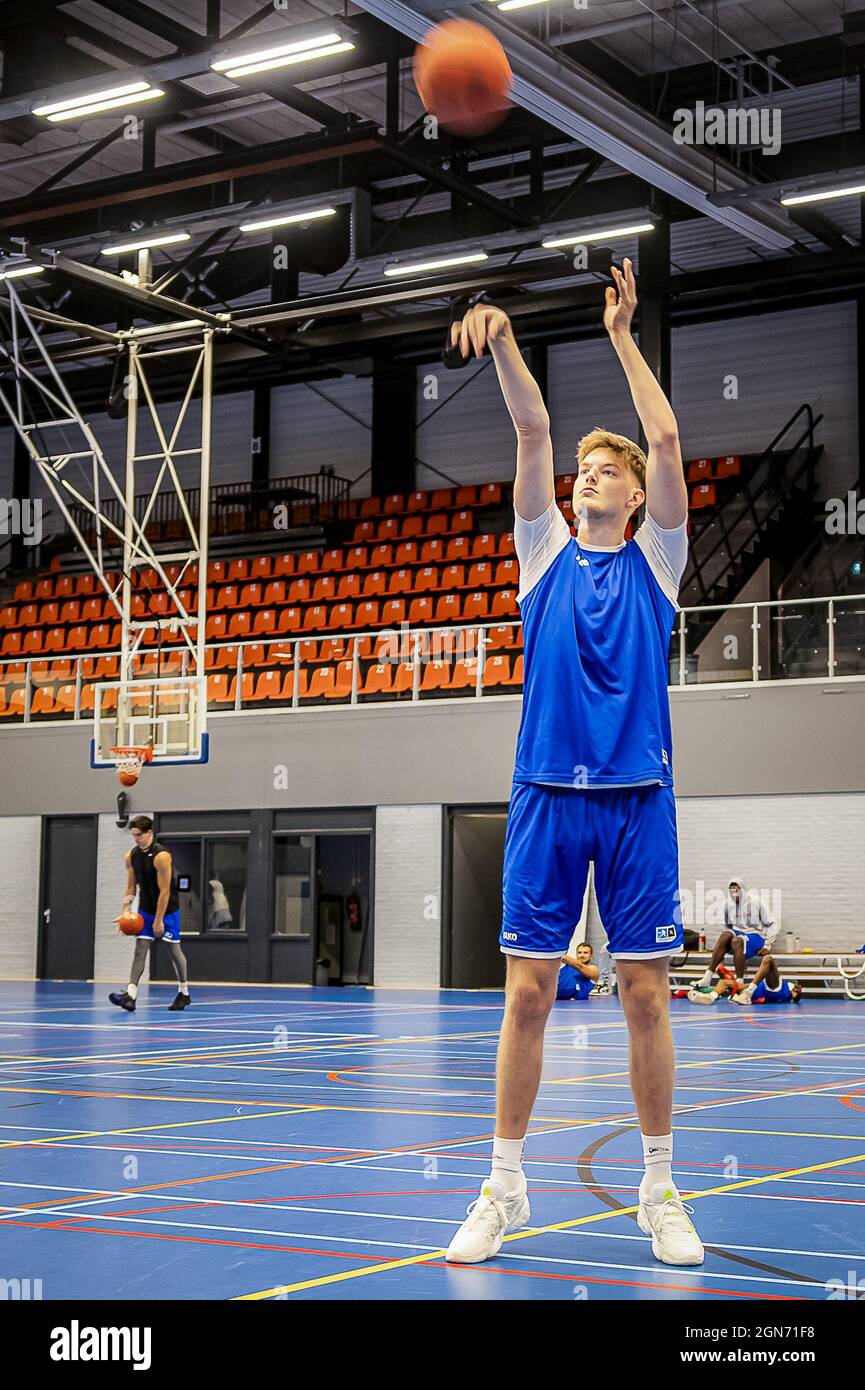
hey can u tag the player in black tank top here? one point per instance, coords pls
(143, 866)
(150, 876)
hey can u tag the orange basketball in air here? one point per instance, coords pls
(463, 77)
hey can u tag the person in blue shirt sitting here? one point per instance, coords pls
(577, 975)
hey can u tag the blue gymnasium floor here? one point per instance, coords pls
(297, 1144)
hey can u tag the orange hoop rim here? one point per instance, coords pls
(131, 757)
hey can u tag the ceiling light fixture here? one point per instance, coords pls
(286, 219)
(823, 197)
(606, 234)
(20, 270)
(419, 267)
(145, 243)
(282, 55)
(93, 102)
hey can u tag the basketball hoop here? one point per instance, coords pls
(129, 761)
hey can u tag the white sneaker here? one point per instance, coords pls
(666, 1220)
(743, 997)
(488, 1220)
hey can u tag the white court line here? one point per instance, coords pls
(100, 1196)
(801, 1282)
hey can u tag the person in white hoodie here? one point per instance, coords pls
(748, 932)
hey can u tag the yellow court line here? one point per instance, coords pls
(533, 1231)
(144, 1129)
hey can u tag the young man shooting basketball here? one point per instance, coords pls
(593, 776)
(150, 875)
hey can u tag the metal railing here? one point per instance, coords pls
(742, 643)
(234, 507)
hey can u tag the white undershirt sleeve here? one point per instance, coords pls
(537, 544)
(666, 552)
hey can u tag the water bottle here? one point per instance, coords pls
(790, 943)
(797, 945)
(701, 940)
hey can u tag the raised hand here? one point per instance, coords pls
(621, 300)
(482, 325)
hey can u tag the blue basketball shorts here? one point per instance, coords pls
(172, 926)
(552, 836)
(754, 942)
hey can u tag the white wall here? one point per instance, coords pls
(21, 838)
(112, 952)
(803, 854)
(408, 881)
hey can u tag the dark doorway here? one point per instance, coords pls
(475, 852)
(68, 900)
(343, 909)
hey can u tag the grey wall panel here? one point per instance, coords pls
(780, 739)
(586, 387)
(469, 438)
(310, 430)
(779, 361)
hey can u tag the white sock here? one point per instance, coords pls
(507, 1163)
(705, 979)
(132, 991)
(184, 989)
(657, 1156)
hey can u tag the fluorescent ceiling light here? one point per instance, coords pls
(795, 198)
(282, 55)
(287, 219)
(578, 238)
(420, 266)
(107, 100)
(170, 239)
(19, 270)
(518, 4)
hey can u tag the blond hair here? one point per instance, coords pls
(617, 444)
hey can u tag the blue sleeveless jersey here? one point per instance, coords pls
(764, 995)
(595, 711)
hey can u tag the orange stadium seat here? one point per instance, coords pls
(393, 612)
(476, 605)
(406, 553)
(356, 558)
(728, 467)
(342, 680)
(420, 612)
(489, 495)
(374, 583)
(299, 590)
(442, 497)
(507, 573)
(504, 604)
(699, 471)
(417, 502)
(400, 582)
(483, 545)
(426, 580)
(324, 589)
(341, 615)
(349, 586)
(284, 566)
(480, 575)
(447, 609)
(393, 504)
(378, 680)
(381, 555)
(703, 495)
(331, 561)
(370, 506)
(366, 615)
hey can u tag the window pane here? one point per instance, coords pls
(186, 862)
(292, 896)
(225, 885)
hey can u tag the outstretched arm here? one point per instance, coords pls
(487, 327)
(666, 494)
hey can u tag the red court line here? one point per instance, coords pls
(575, 1278)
